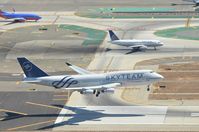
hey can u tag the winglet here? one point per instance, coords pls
(1, 11)
(78, 69)
(68, 64)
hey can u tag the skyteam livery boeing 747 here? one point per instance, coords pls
(87, 82)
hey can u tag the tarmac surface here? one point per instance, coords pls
(114, 59)
(29, 101)
(74, 5)
(29, 110)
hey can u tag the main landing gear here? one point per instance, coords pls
(148, 88)
(97, 93)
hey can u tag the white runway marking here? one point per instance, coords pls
(195, 114)
(113, 115)
(61, 118)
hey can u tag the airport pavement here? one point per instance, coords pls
(29, 107)
(29, 110)
(74, 5)
(116, 59)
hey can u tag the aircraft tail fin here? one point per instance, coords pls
(30, 70)
(1, 11)
(113, 36)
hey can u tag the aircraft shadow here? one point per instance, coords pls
(80, 115)
(130, 51)
(175, 4)
(9, 22)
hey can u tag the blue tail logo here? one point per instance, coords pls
(112, 35)
(30, 69)
(27, 66)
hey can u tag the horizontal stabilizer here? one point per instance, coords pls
(32, 81)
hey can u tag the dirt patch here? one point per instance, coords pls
(181, 82)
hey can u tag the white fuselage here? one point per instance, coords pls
(125, 78)
(196, 1)
(134, 42)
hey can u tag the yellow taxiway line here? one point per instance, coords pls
(60, 99)
(14, 112)
(61, 95)
(20, 113)
(48, 106)
(29, 125)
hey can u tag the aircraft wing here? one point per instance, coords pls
(138, 46)
(100, 87)
(195, 1)
(78, 69)
(19, 19)
(31, 81)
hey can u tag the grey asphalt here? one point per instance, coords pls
(82, 5)
(14, 95)
(12, 104)
(56, 41)
(15, 100)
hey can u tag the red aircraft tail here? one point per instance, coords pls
(1, 11)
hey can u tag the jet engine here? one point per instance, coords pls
(143, 47)
(108, 90)
(87, 91)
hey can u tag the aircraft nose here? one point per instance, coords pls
(38, 17)
(159, 76)
(161, 44)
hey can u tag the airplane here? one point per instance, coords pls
(19, 17)
(196, 2)
(87, 82)
(136, 45)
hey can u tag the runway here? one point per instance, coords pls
(115, 115)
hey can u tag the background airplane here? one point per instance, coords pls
(134, 44)
(19, 17)
(196, 2)
(87, 82)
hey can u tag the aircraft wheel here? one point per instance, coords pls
(98, 93)
(94, 91)
(148, 88)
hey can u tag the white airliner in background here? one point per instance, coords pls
(87, 82)
(135, 44)
(196, 2)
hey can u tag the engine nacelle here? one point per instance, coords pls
(109, 90)
(88, 91)
(143, 47)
